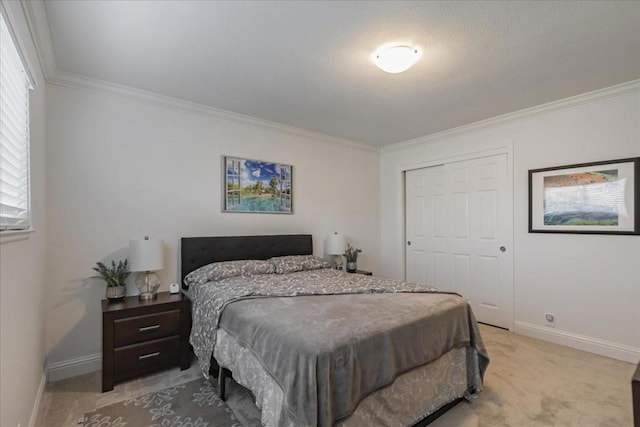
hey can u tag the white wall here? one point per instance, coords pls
(22, 266)
(590, 282)
(120, 169)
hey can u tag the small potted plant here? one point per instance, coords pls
(351, 254)
(115, 277)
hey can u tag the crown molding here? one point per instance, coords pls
(90, 84)
(36, 17)
(35, 14)
(626, 88)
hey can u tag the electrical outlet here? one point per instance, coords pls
(551, 318)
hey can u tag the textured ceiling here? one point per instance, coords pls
(307, 64)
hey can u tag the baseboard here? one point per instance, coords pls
(74, 367)
(36, 404)
(581, 342)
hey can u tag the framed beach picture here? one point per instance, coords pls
(257, 186)
(589, 198)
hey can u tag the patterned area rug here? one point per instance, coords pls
(194, 404)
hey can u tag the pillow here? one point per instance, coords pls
(293, 263)
(223, 270)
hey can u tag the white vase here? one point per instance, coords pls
(115, 293)
(352, 266)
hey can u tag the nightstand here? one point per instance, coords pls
(366, 273)
(140, 337)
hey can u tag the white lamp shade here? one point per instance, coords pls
(146, 255)
(336, 244)
(396, 58)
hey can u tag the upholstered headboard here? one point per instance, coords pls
(197, 252)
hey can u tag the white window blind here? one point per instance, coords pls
(14, 136)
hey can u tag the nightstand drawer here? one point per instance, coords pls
(144, 336)
(134, 360)
(137, 329)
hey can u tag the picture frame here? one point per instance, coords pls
(256, 186)
(587, 198)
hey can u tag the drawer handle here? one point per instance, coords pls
(148, 328)
(148, 356)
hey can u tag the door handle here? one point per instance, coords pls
(409, 243)
(503, 249)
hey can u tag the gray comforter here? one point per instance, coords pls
(330, 352)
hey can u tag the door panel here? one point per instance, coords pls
(457, 220)
(441, 272)
(489, 281)
(420, 265)
(461, 273)
(439, 215)
(418, 212)
(461, 215)
(488, 214)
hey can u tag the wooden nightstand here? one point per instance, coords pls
(140, 337)
(366, 273)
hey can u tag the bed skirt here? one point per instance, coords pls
(413, 396)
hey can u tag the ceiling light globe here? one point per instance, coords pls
(396, 59)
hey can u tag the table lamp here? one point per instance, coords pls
(146, 256)
(335, 246)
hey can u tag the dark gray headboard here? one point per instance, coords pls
(197, 252)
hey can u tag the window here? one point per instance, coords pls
(14, 135)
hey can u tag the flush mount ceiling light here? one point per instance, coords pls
(396, 58)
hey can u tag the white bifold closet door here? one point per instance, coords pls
(459, 233)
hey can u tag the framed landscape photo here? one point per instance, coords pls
(257, 186)
(588, 198)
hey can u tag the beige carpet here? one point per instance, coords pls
(534, 383)
(528, 383)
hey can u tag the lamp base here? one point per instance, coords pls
(337, 259)
(145, 296)
(148, 284)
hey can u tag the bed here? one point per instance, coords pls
(321, 347)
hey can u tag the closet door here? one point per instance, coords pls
(459, 233)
